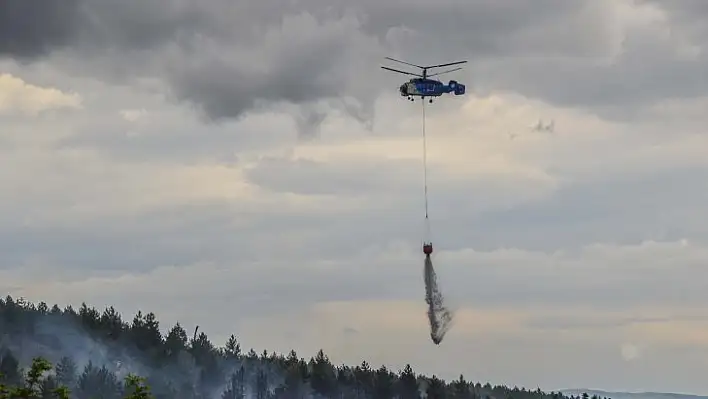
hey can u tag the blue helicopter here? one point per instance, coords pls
(423, 87)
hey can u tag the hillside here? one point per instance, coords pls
(95, 350)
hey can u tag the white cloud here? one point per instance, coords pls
(18, 96)
(133, 115)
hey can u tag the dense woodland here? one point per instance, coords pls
(94, 354)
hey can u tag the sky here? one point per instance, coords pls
(247, 167)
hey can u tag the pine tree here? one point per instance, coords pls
(383, 384)
(436, 388)
(176, 341)
(66, 372)
(112, 323)
(97, 381)
(461, 389)
(180, 368)
(322, 375)
(232, 348)
(9, 368)
(408, 384)
(235, 388)
(261, 385)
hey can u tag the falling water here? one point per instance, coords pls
(439, 316)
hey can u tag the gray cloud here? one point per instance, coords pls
(661, 205)
(556, 323)
(481, 29)
(167, 136)
(96, 25)
(34, 28)
(227, 59)
(362, 177)
(688, 14)
(230, 233)
(209, 60)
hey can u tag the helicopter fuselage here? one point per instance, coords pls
(422, 86)
(430, 88)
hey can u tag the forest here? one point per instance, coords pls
(90, 354)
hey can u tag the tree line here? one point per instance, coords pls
(90, 354)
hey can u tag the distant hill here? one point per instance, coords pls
(631, 395)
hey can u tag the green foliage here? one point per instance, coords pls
(136, 388)
(190, 366)
(34, 385)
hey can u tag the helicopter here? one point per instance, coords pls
(423, 87)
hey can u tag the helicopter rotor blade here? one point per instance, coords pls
(399, 71)
(449, 70)
(448, 64)
(404, 62)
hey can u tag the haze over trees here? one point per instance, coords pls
(97, 355)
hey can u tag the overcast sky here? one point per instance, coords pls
(197, 158)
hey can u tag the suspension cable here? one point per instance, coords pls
(425, 169)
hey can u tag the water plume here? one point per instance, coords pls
(439, 316)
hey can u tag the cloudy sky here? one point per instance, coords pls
(206, 157)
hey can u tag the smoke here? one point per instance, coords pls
(103, 364)
(439, 316)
